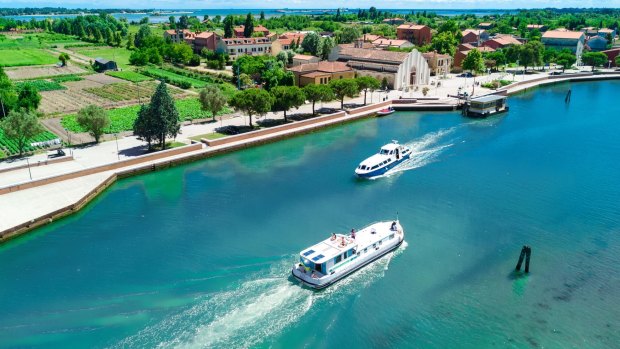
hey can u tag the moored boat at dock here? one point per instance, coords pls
(388, 157)
(342, 254)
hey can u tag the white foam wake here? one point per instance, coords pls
(251, 313)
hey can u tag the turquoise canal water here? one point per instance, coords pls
(198, 256)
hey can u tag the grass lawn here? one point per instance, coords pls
(25, 56)
(161, 73)
(213, 135)
(129, 76)
(41, 85)
(118, 54)
(122, 119)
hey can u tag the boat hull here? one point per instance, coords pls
(349, 272)
(382, 170)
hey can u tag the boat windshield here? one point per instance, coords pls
(384, 152)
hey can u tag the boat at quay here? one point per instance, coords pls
(340, 255)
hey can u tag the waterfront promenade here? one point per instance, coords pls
(62, 188)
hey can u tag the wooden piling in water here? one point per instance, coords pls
(526, 252)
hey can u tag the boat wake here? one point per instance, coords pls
(424, 151)
(251, 313)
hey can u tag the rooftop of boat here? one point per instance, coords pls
(329, 248)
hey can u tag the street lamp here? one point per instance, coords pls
(118, 156)
(30, 173)
(609, 64)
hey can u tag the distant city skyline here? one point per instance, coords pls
(314, 4)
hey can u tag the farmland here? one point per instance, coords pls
(8, 146)
(160, 73)
(41, 85)
(119, 55)
(25, 56)
(129, 76)
(122, 119)
(21, 73)
(126, 91)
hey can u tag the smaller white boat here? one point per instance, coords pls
(340, 255)
(388, 157)
(387, 111)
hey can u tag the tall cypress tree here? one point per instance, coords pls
(165, 113)
(248, 29)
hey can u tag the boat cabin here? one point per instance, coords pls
(485, 106)
(324, 256)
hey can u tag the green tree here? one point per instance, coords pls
(144, 126)
(181, 53)
(384, 84)
(183, 22)
(349, 34)
(162, 117)
(344, 88)
(118, 39)
(21, 126)
(327, 45)
(29, 98)
(64, 57)
(212, 99)
(142, 35)
(262, 16)
(248, 28)
(8, 95)
(287, 97)
(318, 93)
(367, 83)
(252, 101)
(172, 21)
(311, 43)
(130, 40)
(595, 59)
(474, 63)
(618, 61)
(229, 23)
(94, 119)
(444, 43)
(565, 59)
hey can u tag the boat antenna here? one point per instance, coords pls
(396, 215)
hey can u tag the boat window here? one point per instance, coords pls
(392, 236)
(384, 152)
(345, 255)
(309, 252)
(374, 245)
(337, 259)
(316, 258)
(366, 250)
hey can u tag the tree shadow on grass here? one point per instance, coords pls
(234, 130)
(271, 122)
(135, 151)
(300, 116)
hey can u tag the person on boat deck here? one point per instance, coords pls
(333, 237)
(352, 233)
(342, 242)
(393, 227)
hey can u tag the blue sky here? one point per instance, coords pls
(224, 4)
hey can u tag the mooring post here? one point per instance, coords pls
(528, 253)
(567, 98)
(521, 258)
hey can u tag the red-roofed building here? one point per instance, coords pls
(206, 40)
(245, 46)
(321, 73)
(238, 31)
(459, 56)
(474, 36)
(540, 27)
(177, 35)
(305, 59)
(387, 43)
(501, 41)
(414, 33)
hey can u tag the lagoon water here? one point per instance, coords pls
(198, 256)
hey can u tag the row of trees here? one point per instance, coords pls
(13, 99)
(256, 101)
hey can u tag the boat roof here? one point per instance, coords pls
(390, 146)
(488, 98)
(328, 249)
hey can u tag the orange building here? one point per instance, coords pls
(414, 33)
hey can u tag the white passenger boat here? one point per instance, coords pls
(340, 255)
(388, 157)
(387, 111)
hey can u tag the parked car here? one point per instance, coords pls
(466, 75)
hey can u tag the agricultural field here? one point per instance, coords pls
(23, 73)
(161, 73)
(122, 119)
(8, 147)
(129, 76)
(118, 54)
(41, 85)
(126, 92)
(25, 56)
